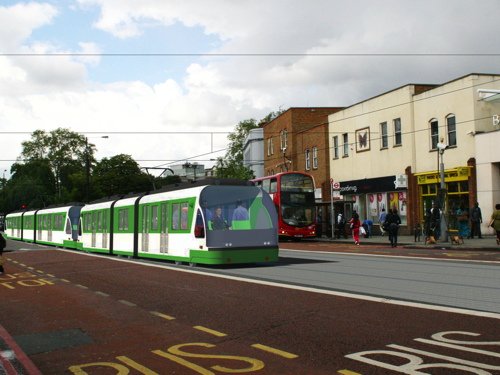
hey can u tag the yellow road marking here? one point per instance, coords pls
(211, 331)
(168, 317)
(275, 351)
(66, 281)
(347, 372)
(136, 366)
(50, 275)
(81, 286)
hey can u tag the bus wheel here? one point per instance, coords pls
(192, 264)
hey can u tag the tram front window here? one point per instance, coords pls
(232, 214)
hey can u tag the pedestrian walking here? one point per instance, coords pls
(355, 224)
(476, 218)
(394, 222)
(495, 222)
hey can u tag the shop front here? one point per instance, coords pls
(456, 182)
(368, 197)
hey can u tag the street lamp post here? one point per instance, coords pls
(442, 192)
(87, 167)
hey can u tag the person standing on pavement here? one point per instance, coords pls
(355, 224)
(394, 222)
(495, 222)
(436, 221)
(341, 226)
(381, 220)
(463, 222)
(476, 218)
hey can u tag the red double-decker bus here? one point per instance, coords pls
(293, 196)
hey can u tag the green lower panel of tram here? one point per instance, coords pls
(221, 256)
(234, 256)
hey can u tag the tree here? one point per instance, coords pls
(61, 148)
(119, 174)
(31, 184)
(231, 165)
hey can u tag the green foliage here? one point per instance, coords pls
(119, 174)
(32, 184)
(231, 165)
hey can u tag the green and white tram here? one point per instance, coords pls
(208, 222)
(56, 225)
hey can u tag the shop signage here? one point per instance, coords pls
(456, 174)
(372, 185)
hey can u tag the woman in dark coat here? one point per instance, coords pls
(394, 222)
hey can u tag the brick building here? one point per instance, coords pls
(297, 140)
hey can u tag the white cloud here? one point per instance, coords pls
(215, 93)
(17, 22)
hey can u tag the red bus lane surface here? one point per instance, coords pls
(77, 314)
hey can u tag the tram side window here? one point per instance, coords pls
(180, 216)
(154, 218)
(87, 223)
(123, 219)
(99, 221)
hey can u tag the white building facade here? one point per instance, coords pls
(384, 151)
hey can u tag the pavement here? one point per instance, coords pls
(484, 243)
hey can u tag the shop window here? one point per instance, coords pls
(398, 135)
(434, 127)
(335, 147)
(345, 138)
(383, 135)
(451, 128)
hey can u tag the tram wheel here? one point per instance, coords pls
(178, 263)
(192, 264)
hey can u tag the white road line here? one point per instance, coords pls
(454, 310)
(394, 256)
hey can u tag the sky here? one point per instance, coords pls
(167, 80)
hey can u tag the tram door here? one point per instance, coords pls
(104, 225)
(93, 224)
(49, 228)
(145, 228)
(40, 228)
(164, 228)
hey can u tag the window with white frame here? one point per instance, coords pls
(345, 138)
(398, 135)
(434, 127)
(451, 128)
(384, 140)
(315, 157)
(285, 137)
(335, 141)
(270, 146)
(308, 160)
